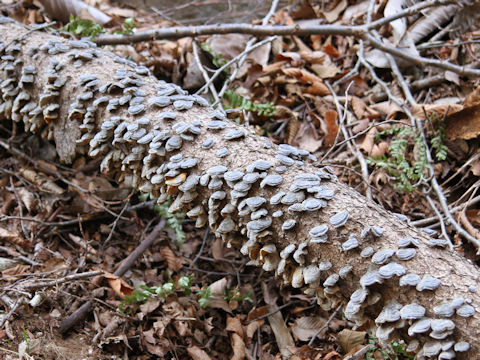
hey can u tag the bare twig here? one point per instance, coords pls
(46, 283)
(442, 224)
(310, 343)
(204, 74)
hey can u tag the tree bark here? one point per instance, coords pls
(83, 98)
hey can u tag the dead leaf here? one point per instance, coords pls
(217, 290)
(331, 51)
(282, 334)
(174, 262)
(217, 247)
(43, 182)
(234, 324)
(317, 86)
(238, 347)
(197, 354)
(379, 150)
(13, 236)
(251, 329)
(120, 286)
(348, 339)
(330, 120)
(333, 14)
(305, 327)
(424, 111)
(368, 141)
(464, 124)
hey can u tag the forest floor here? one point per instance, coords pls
(187, 296)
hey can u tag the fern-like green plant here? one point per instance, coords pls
(174, 221)
(239, 102)
(407, 169)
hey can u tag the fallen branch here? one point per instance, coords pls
(286, 213)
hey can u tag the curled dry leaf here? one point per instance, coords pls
(440, 111)
(317, 86)
(348, 339)
(332, 127)
(282, 334)
(238, 347)
(174, 262)
(464, 124)
(368, 141)
(235, 325)
(217, 289)
(28, 199)
(120, 286)
(44, 183)
(14, 237)
(197, 354)
(306, 327)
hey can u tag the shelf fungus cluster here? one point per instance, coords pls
(291, 216)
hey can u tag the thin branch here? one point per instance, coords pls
(46, 283)
(310, 343)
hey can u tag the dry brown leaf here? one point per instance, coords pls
(475, 167)
(28, 199)
(282, 334)
(438, 110)
(472, 98)
(120, 286)
(348, 339)
(305, 327)
(332, 128)
(217, 290)
(174, 262)
(317, 86)
(14, 237)
(44, 183)
(325, 71)
(238, 347)
(464, 124)
(257, 312)
(333, 14)
(197, 354)
(234, 324)
(251, 329)
(217, 247)
(13, 272)
(388, 108)
(290, 57)
(380, 149)
(368, 141)
(359, 107)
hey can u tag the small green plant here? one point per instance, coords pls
(238, 101)
(143, 293)
(399, 162)
(29, 347)
(127, 27)
(205, 295)
(217, 58)
(396, 350)
(234, 295)
(82, 27)
(174, 221)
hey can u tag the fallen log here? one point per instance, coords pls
(275, 203)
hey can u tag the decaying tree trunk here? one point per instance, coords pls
(287, 213)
